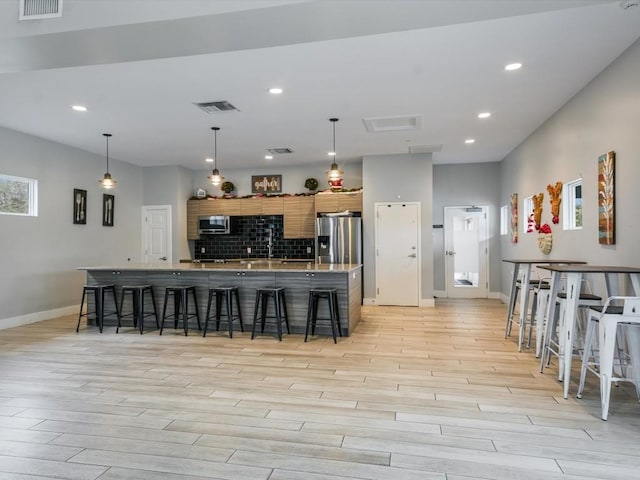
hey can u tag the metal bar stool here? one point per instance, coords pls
(331, 295)
(280, 309)
(98, 293)
(137, 300)
(180, 307)
(224, 295)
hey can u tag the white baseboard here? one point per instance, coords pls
(440, 293)
(38, 316)
(425, 302)
(493, 295)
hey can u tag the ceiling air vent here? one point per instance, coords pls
(393, 124)
(37, 9)
(279, 151)
(216, 107)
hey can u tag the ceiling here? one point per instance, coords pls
(139, 67)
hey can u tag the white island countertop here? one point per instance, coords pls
(254, 266)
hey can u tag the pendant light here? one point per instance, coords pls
(107, 182)
(334, 173)
(215, 178)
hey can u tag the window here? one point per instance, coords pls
(18, 196)
(572, 205)
(528, 225)
(504, 220)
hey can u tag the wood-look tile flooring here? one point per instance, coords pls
(414, 393)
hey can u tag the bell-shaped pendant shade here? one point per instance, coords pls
(107, 182)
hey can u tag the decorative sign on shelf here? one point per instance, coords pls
(266, 183)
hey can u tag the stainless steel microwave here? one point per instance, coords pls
(214, 224)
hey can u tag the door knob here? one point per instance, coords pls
(413, 255)
(163, 258)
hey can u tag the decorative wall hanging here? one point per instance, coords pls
(266, 183)
(107, 210)
(606, 199)
(555, 197)
(79, 206)
(537, 209)
(514, 218)
(545, 239)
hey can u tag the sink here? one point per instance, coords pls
(260, 261)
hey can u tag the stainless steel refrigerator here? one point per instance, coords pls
(339, 239)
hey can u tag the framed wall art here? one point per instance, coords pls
(79, 206)
(514, 218)
(606, 199)
(107, 210)
(266, 183)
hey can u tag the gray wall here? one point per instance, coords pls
(397, 178)
(171, 186)
(463, 185)
(293, 177)
(604, 116)
(39, 254)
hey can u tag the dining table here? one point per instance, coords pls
(522, 268)
(574, 275)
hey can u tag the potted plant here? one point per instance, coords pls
(227, 188)
(311, 184)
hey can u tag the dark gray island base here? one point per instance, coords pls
(296, 278)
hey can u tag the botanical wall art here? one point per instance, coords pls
(107, 210)
(79, 206)
(606, 199)
(514, 218)
(555, 197)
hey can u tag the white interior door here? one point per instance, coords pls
(398, 254)
(466, 251)
(156, 234)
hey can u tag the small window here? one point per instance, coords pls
(528, 226)
(504, 220)
(572, 205)
(18, 196)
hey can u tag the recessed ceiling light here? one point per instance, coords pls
(79, 108)
(208, 160)
(484, 115)
(470, 140)
(268, 157)
(276, 90)
(513, 66)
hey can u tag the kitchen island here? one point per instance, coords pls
(296, 277)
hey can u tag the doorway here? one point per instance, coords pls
(397, 233)
(466, 252)
(156, 234)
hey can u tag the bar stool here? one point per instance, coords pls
(98, 293)
(608, 318)
(331, 295)
(224, 295)
(533, 284)
(279, 305)
(180, 307)
(137, 303)
(564, 327)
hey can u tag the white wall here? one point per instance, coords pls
(39, 255)
(604, 116)
(397, 178)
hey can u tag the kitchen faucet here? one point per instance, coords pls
(270, 243)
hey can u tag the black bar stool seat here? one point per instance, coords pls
(98, 292)
(331, 295)
(279, 306)
(180, 307)
(137, 299)
(224, 295)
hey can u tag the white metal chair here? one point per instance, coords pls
(607, 319)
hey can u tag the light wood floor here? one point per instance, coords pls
(412, 394)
